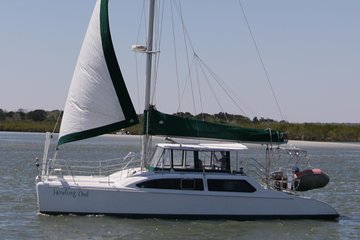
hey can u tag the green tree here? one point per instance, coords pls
(10, 115)
(21, 113)
(53, 115)
(37, 115)
(2, 114)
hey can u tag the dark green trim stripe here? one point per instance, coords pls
(113, 66)
(93, 132)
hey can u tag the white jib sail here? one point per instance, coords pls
(92, 101)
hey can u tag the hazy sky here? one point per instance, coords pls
(311, 50)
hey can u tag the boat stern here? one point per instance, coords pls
(316, 209)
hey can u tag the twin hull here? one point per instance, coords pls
(56, 197)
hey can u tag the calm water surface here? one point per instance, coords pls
(19, 218)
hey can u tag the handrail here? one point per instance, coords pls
(94, 168)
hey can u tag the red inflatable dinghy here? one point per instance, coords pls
(309, 179)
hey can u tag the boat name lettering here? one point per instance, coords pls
(71, 193)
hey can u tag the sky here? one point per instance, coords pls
(310, 49)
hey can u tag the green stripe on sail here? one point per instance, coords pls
(170, 125)
(113, 67)
(93, 132)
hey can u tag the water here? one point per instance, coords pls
(19, 218)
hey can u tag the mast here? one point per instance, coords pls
(149, 53)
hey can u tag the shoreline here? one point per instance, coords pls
(290, 141)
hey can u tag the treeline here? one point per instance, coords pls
(29, 121)
(331, 132)
(41, 121)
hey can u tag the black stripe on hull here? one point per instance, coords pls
(207, 217)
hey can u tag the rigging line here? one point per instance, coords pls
(212, 90)
(187, 40)
(186, 33)
(175, 54)
(214, 93)
(199, 88)
(261, 60)
(183, 93)
(191, 45)
(156, 48)
(209, 84)
(187, 53)
(142, 18)
(156, 43)
(184, 89)
(137, 82)
(59, 117)
(222, 85)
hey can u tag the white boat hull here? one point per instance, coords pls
(58, 196)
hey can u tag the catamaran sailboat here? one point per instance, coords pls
(180, 180)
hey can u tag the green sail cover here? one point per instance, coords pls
(170, 125)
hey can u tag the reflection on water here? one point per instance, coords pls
(18, 208)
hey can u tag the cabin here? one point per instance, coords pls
(197, 158)
(220, 163)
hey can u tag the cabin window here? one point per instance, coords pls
(157, 158)
(221, 160)
(173, 183)
(178, 158)
(192, 160)
(230, 185)
(168, 159)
